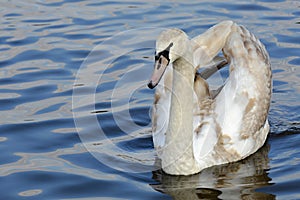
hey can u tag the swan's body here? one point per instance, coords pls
(192, 130)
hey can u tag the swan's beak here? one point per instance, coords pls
(159, 68)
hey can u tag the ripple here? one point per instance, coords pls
(43, 44)
(29, 193)
(2, 139)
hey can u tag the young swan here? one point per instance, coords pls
(196, 133)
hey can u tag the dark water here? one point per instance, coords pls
(70, 67)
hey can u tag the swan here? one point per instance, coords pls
(193, 129)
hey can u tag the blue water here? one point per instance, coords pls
(74, 104)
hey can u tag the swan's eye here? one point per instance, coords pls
(156, 57)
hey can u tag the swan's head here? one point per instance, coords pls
(171, 44)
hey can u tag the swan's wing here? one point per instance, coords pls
(243, 104)
(204, 136)
(236, 126)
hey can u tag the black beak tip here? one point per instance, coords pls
(151, 85)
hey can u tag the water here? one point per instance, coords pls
(45, 54)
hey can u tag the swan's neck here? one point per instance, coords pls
(178, 152)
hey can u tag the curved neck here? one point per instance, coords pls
(181, 99)
(178, 151)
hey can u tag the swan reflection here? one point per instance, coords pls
(237, 180)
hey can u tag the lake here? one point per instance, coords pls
(75, 109)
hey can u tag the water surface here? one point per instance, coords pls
(49, 48)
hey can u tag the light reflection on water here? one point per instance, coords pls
(44, 43)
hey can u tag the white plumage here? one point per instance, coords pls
(194, 128)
